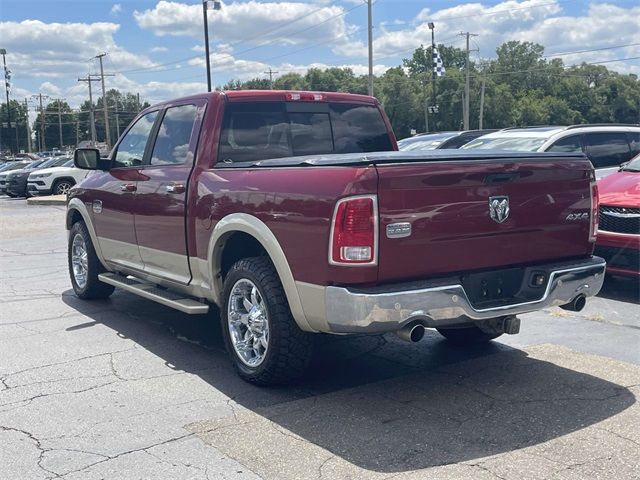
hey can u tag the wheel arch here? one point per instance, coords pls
(77, 211)
(258, 239)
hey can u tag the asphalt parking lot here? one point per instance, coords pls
(125, 388)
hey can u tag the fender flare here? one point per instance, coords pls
(243, 222)
(76, 205)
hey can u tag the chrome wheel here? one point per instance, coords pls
(248, 322)
(79, 260)
(63, 188)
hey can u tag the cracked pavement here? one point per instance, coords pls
(124, 389)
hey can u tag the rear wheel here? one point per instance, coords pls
(264, 342)
(62, 187)
(467, 335)
(84, 265)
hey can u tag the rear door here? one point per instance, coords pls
(161, 196)
(448, 207)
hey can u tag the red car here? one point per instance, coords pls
(619, 225)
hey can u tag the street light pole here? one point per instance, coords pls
(104, 103)
(369, 17)
(216, 6)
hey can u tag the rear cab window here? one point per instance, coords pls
(266, 130)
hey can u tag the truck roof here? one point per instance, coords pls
(280, 96)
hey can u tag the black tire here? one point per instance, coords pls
(11, 195)
(94, 288)
(471, 335)
(61, 187)
(289, 348)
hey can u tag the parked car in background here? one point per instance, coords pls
(440, 140)
(56, 180)
(27, 156)
(619, 223)
(16, 180)
(606, 145)
(292, 213)
(4, 171)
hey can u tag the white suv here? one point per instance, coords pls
(606, 145)
(56, 180)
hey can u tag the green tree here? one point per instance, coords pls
(18, 122)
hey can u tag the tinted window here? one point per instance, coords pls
(634, 142)
(607, 149)
(572, 143)
(131, 149)
(174, 135)
(259, 131)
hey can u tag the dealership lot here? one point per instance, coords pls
(125, 388)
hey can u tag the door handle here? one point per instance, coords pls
(128, 187)
(175, 188)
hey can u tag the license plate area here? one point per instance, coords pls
(500, 287)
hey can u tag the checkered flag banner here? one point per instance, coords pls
(438, 66)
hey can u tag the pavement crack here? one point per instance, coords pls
(56, 364)
(127, 452)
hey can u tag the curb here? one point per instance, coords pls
(50, 200)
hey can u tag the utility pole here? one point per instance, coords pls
(216, 6)
(60, 124)
(117, 120)
(104, 102)
(270, 73)
(77, 131)
(466, 83)
(426, 107)
(480, 120)
(370, 22)
(43, 144)
(92, 120)
(26, 109)
(7, 84)
(138, 102)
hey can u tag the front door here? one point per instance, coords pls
(162, 193)
(114, 195)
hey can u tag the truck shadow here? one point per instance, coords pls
(376, 402)
(622, 289)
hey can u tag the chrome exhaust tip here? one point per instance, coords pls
(411, 333)
(576, 304)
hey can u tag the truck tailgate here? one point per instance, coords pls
(447, 205)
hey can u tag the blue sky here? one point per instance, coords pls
(155, 47)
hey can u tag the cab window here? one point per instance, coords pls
(174, 136)
(131, 148)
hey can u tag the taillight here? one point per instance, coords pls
(354, 231)
(595, 215)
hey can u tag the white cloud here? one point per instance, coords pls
(53, 50)
(116, 9)
(50, 89)
(239, 20)
(529, 20)
(159, 50)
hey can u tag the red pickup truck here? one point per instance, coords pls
(294, 213)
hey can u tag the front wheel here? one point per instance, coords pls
(62, 187)
(84, 265)
(467, 335)
(264, 342)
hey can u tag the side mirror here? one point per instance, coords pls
(89, 159)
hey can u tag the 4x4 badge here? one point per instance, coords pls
(499, 208)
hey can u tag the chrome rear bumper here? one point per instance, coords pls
(444, 302)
